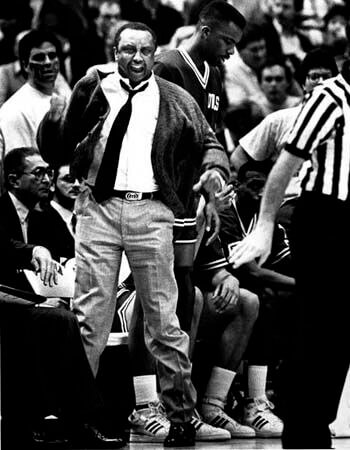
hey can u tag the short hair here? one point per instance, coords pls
(251, 33)
(336, 10)
(134, 26)
(14, 161)
(35, 38)
(56, 171)
(219, 11)
(270, 62)
(318, 57)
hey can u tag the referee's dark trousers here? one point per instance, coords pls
(314, 373)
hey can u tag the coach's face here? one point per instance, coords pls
(135, 55)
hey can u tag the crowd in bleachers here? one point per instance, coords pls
(207, 153)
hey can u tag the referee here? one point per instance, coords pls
(313, 375)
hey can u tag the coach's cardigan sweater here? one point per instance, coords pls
(184, 145)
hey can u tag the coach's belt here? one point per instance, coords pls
(133, 195)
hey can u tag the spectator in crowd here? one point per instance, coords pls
(165, 190)
(66, 190)
(275, 78)
(273, 283)
(163, 19)
(282, 34)
(311, 18)
(319, 134)
(21, 114)
(334, 32)
(266, 140)
(241, 71)
(66, 20)
(103, 25)
(12, 76)
(15, 16)
(45, 345)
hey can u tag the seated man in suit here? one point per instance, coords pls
(24, 209)
(46, 369)
(27, 180)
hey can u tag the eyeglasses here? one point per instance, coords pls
(41, 57)
(40, 172)
(315, 76)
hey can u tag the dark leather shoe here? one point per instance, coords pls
(180, 435)
(92, 437)
(42, 440)
(49, 433)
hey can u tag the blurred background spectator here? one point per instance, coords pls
(334, 34)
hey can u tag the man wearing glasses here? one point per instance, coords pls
(21, 114)
(27, 181)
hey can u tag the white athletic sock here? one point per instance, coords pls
(145, 387)
(218, 386)
(257, 381)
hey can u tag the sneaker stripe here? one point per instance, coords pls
(153, 427)
(196, 423)
(259, 422)
(219, 421)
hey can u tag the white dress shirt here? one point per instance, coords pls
(135, 172)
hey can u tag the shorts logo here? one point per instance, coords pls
(133, 196)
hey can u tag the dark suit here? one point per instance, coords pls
(46, 370)
(11, 227)
(45, 228)
(49, 229)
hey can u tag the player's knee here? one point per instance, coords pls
(250, 305)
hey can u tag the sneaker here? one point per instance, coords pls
(149, 424)
(258, 415)
(217, 417)
(206, 432)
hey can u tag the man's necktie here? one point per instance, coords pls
(73, 222)
(106, 175)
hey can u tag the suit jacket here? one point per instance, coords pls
(47, 228)
(11, 235)
(43, 230)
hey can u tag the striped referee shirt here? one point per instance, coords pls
(321, 133)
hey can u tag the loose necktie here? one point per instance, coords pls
(106, 175)
(73, 222)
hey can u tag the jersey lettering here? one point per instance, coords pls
(213, 102)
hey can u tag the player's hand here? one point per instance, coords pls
(210, 181)
(226, 294)
(223, 198)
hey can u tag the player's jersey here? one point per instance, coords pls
(177, 66)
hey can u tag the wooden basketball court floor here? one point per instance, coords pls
(236, 444)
